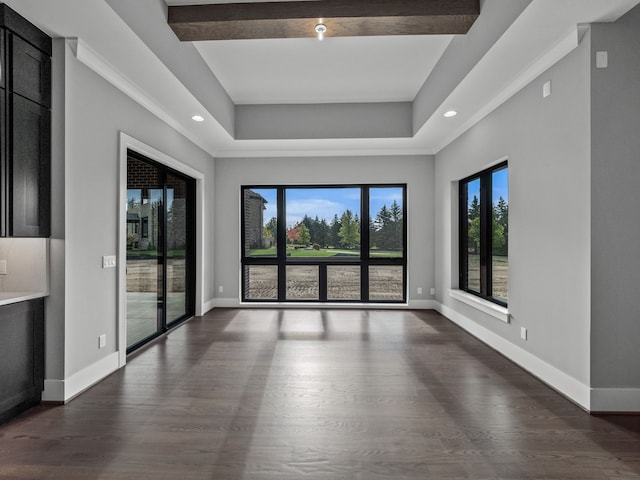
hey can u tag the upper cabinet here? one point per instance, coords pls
(30, 71)
(25, 127)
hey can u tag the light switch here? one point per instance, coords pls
(109, 261)
(546, 89)
(602, 59)
(3, 267)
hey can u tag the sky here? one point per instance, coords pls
(326, 202)
(500, 184)
(155, 194)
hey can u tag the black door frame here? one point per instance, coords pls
(190, 248)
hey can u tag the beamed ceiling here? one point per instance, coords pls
(380, 90)
(343, 18)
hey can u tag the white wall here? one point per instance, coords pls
(548, 148)
(415, 171)
(94, 112)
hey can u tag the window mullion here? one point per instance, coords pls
(463, 239)
(485, 236)
(282, 245)
(488, 220)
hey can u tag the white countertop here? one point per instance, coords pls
(7, 298)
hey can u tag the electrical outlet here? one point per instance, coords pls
(523, 333)
(3, 267)
(102, 340)
(433, 291)
(109, 261)
(419, 290)
(220, 289)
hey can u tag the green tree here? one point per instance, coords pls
(349, 230)
(304, 237)
(498, 239)
(501, 227)
(396, 226)
(384, 229)
(322, 232)
(502, 214)
(474, 208)
(473, 230)
(308, 222)
(473, 235)
(271, 228)
(372, 233)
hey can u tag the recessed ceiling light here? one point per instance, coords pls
(320, 29)
(450, 113)
(197, 118)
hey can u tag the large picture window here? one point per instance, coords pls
(484, 234)
(342, 243)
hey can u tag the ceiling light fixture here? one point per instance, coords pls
(320, 29)
(197, 118)
(450, 114)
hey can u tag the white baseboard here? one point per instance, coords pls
(412, 304)
(53, 391)
(208, 306)
(615, 400)
(65, 390)
(556, 379)
(226, 303)
(423, 304)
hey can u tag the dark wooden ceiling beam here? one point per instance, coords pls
(297, 19)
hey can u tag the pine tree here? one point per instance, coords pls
(349, 230)
(384, 228)
(397, 224)
(474, 208)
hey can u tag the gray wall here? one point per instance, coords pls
(85, 216)
(415, 171)
(615, 197)
(547, 145)
(324, 120)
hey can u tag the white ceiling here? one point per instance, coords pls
(334, 70)
(260, 71)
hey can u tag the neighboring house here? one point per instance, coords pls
(142, 226)
(254, 207)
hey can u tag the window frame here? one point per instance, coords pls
(486, 232)
(364, 261)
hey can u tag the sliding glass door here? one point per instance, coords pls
(160, 247)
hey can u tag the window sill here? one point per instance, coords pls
(496, 311)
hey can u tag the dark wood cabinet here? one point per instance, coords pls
(30, 71)
(30, 176)
(21, 356)
(25, 128)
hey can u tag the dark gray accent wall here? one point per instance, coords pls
(615, 203)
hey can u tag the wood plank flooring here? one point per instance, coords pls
(315, 394)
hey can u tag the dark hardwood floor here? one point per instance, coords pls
(295, 394)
